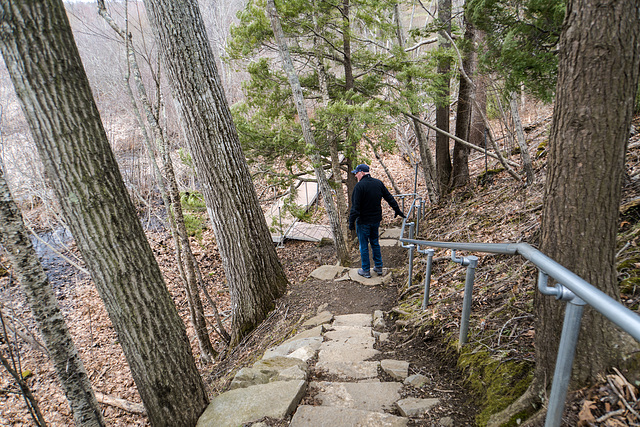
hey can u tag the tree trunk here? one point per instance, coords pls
(349, 83)
(443, 158)
(44, 306)
(252, 268)
(323, 183)
(54, 92)
(426, 158)
(476, 131)
(591, 115)
(522, 143)
(460, 171)
(169, 191)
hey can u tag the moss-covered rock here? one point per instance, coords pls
(496, 380)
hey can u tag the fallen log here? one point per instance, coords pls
(125, 405)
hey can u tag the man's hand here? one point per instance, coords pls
(399, 213)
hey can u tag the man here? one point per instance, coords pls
(366, 214)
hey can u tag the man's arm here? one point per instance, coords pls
(391, 201)
(355, 208)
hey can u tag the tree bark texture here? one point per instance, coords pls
(443, 157)
(254, 273)
(349, 84)
(522, 143)
(168, 190)
(55, 96)
(599, 61)
(296, 89)
(477, 127)
(460, 173)
(44, 306)
(426, 158)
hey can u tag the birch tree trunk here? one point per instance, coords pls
(254, 273)
(68, 366)
(45, 67)
(169, 191)
(426, 158)
(325, 189)
(522, 143)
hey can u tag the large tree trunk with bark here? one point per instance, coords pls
(44, 306)
(54, 92)
(460, 174)
(589, 133)
(443, 158)
(252, 267)
(426, 158)
(296, 89)
(168, 189)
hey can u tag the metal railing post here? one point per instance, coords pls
(411, 250)
(564, 361)
(427, 278)
(471, 262)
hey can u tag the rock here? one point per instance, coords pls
(361, 320)
(381, 337)
(237, 407)
(413, 407)
(376, 397)
(289, 347)
(379, 325)
(389, 242)
(349, 335)
(446, 422)
(416, 380)
(374, 280)
(350, 370)
(391, 233)
(268, 370)
(327, 272)
(309, 333)
(397, 369)
(303, 353)
(345, 352)
(322, 307)
(327, 416)
(320, 319)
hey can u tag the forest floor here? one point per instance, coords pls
(494, 208)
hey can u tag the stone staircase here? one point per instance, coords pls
(333, 364)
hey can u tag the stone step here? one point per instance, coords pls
(244, 405)
(374, 396)
(349, 370)
(362, 320)
(332, 416)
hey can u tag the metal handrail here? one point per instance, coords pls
(569, 287)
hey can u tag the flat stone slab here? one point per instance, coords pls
(309, 333)
(328, 416)
(349, 335)
(287, 348)
(375, 280)
(413, 407)
(339, 352)
(361, 320)
(237, 407)
(376, 397)
(322, 318)
(389, 242)
(327, 272)
(397, 369)
(350, 370)
(391, 233)
(416, 380)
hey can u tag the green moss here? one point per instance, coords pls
(495, 382)
(192, 201)
(195, 224)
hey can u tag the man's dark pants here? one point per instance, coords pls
(368, 234)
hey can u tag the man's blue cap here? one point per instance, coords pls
(360, 168)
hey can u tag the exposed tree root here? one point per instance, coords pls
(529, 403)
